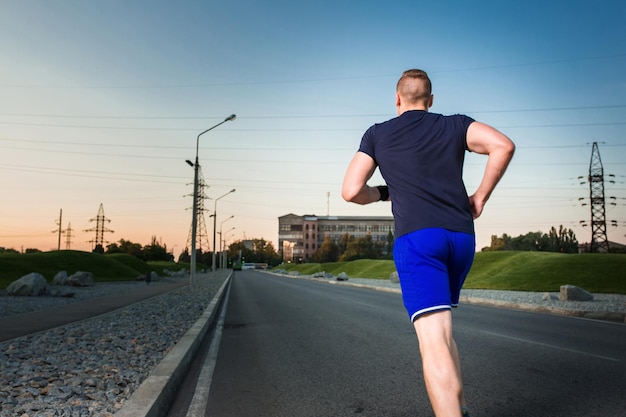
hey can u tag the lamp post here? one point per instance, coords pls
(194, 219)
(223, 221)
(215, 226)
(224, 257)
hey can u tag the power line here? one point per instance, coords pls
(316, 80)
(308, 116)
(247, 148)
(317, 129)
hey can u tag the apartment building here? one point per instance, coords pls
(300, 236)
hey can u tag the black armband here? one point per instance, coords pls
(384, 192)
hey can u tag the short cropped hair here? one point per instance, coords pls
(414, 86)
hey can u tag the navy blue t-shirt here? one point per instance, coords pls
(420, 155)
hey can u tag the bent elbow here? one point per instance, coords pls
(353, 194)
(510, 148)
(505, 149)
(348, 195)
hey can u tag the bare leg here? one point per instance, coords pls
(457, 360)
(440, 361)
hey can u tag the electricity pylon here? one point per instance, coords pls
(599, 240)
(68, 236)
(99, 229)
(202, 237)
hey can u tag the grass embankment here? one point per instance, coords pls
(523, 271)
(114, 267)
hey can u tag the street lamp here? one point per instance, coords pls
(223, 221)
(215, 226)
(225, 253)
(194, 219)
(223, 245)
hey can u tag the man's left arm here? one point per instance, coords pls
(486, 140)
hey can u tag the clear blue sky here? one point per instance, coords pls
(101, 102)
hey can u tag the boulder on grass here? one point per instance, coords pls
(81, 279)
(342, 277)
(574, 293)
(32, 284)
(393, 277)
(60, 278)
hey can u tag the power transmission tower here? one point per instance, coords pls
(99, 229)
(201, 234)
(68, 236)
(599, 240)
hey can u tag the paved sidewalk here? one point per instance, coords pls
(36, 321)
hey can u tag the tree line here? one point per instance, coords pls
(562, 240)
(260, 250)
(347, 248)
(155, 251)
(350, 248)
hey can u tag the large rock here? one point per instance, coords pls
(546, 296)
(81, 279)
(32, 284)
(342, 277)
(60, 278)
(394, 277)
(574, 293)
(323, 274)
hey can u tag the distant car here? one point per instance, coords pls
(247, 265)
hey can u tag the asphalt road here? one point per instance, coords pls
(294, 347)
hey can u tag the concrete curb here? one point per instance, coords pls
(156, 393)
(594, 315)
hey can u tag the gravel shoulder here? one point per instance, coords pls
(92, 367)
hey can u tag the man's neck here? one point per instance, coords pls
(412, 108)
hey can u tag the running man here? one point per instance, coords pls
(420, 155)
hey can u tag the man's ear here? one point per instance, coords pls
(430, 101)
(398, 101)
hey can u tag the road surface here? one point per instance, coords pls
(294, 347)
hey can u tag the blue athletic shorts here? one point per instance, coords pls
(432, 265)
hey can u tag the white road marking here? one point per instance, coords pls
(517, 339)
(197, 407)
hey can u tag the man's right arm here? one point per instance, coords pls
(486, 140)
(355, 188)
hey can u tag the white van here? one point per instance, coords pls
(247, 265)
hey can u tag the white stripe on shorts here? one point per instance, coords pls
(426, 310)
